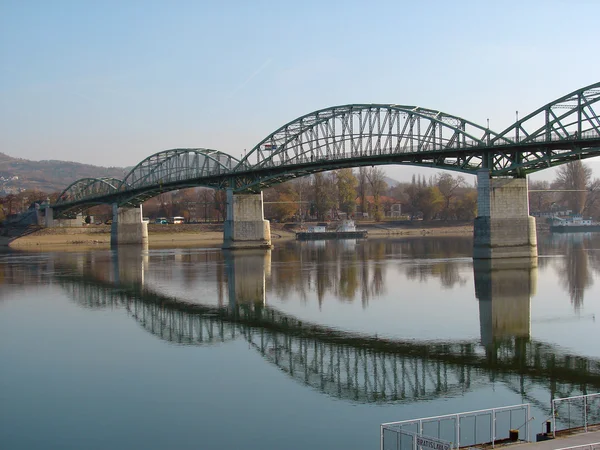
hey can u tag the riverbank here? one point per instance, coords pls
(203, 235)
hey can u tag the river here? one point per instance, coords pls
(309, 346)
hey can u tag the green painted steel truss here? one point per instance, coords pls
(363, 135)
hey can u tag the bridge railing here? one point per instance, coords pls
(486, 426)
(579, 412)
(394, 437)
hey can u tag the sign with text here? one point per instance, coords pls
(430, 443)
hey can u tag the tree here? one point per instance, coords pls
(431, 202)
(540, 201)
(204, 198)
(346, 187)
(592, 203)
(322, 195)
(284, 200)
(413, 193)
(220, 202)
(302, 187)
(376, 177)
(448, 186)
(8, 204)
(363, 185)
(574, 176)
(466, 205)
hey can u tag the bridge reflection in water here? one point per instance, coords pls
(343, 364)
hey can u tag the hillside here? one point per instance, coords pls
(18, 174)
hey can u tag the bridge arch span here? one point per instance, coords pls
(567, 117)
(364, 134)
(176, 169)
(86, 192)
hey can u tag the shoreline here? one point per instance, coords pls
(202, 235)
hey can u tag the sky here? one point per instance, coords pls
(112, 82)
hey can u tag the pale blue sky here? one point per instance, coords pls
(112, 82)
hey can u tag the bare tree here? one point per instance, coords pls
(448, 186)
(363, 185)
(592, 202)
(574, 176)
(302, 187)
(540, 201)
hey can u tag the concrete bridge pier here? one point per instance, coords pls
(246, 226)
(503, 227)
(128, 227)
(48, 217)
(49, 221)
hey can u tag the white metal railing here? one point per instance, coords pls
(394, 438)
(486, 426)
(580, 411)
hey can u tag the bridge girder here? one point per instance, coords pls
(373, 134)
(84, 193)
(570, 116)
(176, 168)
(345, 135)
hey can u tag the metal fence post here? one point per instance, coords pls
(528, 426)
(553, 419)
(492, 427)
(457, 430)
(494, 430)
(585, 417)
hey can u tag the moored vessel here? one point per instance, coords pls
(574, 223)
(346, 230)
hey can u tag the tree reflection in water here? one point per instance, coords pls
(349, 269)
(576, 263)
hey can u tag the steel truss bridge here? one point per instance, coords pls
(357, 135)
(348, 365)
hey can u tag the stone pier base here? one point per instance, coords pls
(503, 228)
(49, 221)
(245, 226)
(128, 227)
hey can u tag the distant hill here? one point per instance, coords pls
(391, 182)
(18, 174)
(50, 176)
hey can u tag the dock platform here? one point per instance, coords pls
(591, 439)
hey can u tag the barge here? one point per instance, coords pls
(574, 224)
(346, 230)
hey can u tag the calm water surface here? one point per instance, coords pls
(311, 345)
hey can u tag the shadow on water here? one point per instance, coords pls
(344, 364)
